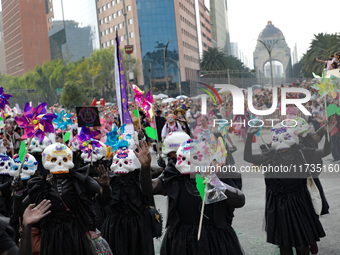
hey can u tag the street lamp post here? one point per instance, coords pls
(130, 76)
(166, 68)
(179, 74)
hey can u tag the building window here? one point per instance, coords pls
(108, 6)
(115, 28)
(122, 38)
(100, 10)
(106, 31)
(128, 8)
(107, 44)
(110, 17)
(112, 42)
(120, 25)
(118, 13)
(103, 45)
(111, 29)
(101, 22)
(131, 35)
(113, 3)
(102, 33)
(118, 1)
(130, 21)
(104, 8)
(114, 15)
(105, 20)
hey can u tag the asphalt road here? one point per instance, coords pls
(249, 220)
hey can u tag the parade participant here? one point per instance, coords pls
(204, 126)
(127, 228)
(32, 215)
(184, 207)
(170, 147)
(171, 126)
(72, 214)
(5, 185)
(296, 224)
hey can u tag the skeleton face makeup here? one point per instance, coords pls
(124, 161)
(97, 154)
(192, 155)
(28, 169)
(36, 146)
(5, 164)
(284, 138)
(57, 158)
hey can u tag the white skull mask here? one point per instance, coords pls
(302, 126)
(97, 154)
(28, 169)
(284, 138)
(75, 144)
(57, 158)
(192, 155)
(124, 161)
(37, 146)
(127, 137)
(5, 164)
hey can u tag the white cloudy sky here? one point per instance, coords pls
(298, 20)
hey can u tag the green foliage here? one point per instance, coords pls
(81, 81)
(321, 47)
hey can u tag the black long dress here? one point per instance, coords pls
(63, 231)
(217, 236)
(289, 214)
(127, 228)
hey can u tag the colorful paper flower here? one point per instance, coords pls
(326, 85)
(35, 121)
(138, 94)
(87, 141)
(63, 119)
(3, 98)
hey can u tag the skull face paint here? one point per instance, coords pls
(124, 161)
(5, 164)
(283, 138)
(57, 158)
(28, 169)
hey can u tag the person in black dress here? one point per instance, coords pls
(217, 236)
(289, 213)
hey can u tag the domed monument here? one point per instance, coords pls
(272, 47)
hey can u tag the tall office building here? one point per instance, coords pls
(74, 32)
(220, 25)
(203, 25)
(234, 49)
(2, 48)
(25, 35)
(156, 29)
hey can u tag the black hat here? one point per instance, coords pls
(158, 110)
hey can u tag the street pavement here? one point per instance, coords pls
(249, 220)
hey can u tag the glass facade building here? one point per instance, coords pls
(74, 33)
(157, 26)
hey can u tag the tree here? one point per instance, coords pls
(322, 46)
(214, 59)
(72, 95)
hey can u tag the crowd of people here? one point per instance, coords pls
(95, 196)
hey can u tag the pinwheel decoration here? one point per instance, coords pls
(63, 119)
(326, 86)
(87, 141)
(114, 139)
(3, 98)
(36, 122)
(147, 104)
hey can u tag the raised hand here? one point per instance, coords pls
(143, 154)
(33, 213)
(103, 173)
(253, 130)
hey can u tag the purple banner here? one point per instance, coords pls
(126, 118)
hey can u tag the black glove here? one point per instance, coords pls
(161, 162)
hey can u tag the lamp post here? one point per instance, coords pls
(269, 48)
(179, 74)
(166, 68)
(130, 76)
